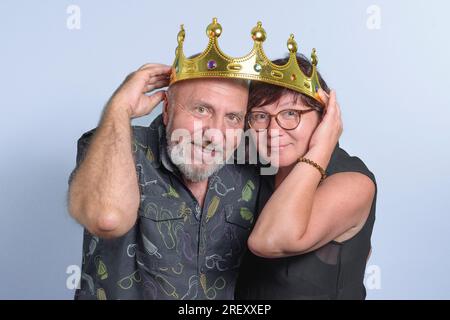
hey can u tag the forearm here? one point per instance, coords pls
(104, 194)
(286, 215)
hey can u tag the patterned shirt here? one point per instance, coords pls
(177, 249)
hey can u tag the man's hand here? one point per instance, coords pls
(132, 93)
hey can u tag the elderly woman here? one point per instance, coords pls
(312, 237)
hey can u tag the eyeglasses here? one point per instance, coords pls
(288, 119)
(127, 282)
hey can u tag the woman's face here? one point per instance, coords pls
(284, 147)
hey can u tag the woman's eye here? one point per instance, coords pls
(290, 114)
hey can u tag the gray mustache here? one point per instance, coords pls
(210, 146)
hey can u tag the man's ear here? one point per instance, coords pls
(165, 110)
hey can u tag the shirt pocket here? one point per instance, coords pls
(238, 224)
(158, 237)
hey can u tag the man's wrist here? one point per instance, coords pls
(119, 110)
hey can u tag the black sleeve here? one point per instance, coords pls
(82, 146)
(341, 161)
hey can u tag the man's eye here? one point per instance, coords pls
(234, 118)
(201, 110)
(260, 116)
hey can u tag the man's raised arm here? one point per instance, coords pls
(103, 192)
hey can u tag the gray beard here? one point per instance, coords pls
(191, 172)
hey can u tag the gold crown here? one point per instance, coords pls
(254, 66)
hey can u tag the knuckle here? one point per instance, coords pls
(140, 72)
(130, 75)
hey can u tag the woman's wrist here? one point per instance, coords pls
(319, 156)
(315, 165)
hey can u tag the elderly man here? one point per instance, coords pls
(162, 220)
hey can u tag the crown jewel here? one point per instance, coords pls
(212, 62)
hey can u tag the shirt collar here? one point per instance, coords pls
(161, 144)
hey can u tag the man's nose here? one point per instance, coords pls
(217, 123)
(215, 130)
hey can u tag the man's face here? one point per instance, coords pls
(204, 120)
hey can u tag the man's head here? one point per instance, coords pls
(204, 119)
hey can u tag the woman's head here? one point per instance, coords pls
(290, 117)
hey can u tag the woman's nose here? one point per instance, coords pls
(274, 128)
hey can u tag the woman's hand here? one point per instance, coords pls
(327, 133)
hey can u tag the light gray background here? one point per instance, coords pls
(392, 84)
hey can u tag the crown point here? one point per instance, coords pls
(181, 34)
(214, 29)
(314, 60)
(292, 44)
(258, 32)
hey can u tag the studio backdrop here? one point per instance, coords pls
(60, 61)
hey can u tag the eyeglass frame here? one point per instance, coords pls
(300, 113)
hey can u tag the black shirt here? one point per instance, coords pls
(177, 249)
(334, 271)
